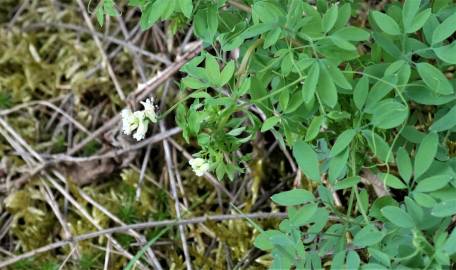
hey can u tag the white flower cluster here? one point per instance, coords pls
(139, 120)
(200, 166)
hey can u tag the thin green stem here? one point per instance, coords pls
(240, 6)
(278, 91)
(163, 115)
(395, 87)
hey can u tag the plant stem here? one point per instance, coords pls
(240, 6)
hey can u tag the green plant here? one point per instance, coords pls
(50, 265)
(90, 261)
(361, 101)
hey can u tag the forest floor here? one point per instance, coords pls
(75, 192)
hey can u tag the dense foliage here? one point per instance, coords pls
(364, 96)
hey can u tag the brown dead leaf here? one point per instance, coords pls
(86, 172)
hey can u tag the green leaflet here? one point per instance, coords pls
(415, 211)
(449, 245)
(409, 11)
(381, 89)
(109, 8)
(404, 164)
(347, 183)
(424, 200)
(314, 128)
(378, 145)
(186, 7)
(343, 16)
(433, 183)
(434, 79)
(193, 83)
(257, 29)
(342, 43)
(205, 23)
(337, 164)
(338, 260)
(445, 29)
(429, 27)
(387, 45)
(422, 94)
(303, 215)
(392, 181)
(100, 15)
(425, 153)
(227, 73)
(419, 21)
(284, 99)
(320, 219)
(153, 12)
(398, 217)
(386, 23)
(352, 33)
(412, 135)
(342, 142)
(213, 70)
(267, 11)
(368, 236)
(307, 160)
(310, 84)
(380, 256)
(326, 89)
(263, 241)
(389, 113)
(446, 122)
(270, 123)
(336, 75)
(394, 68)
(293, 197)
(444, 209)
(329, 18)
(447, 53)
(272, 37)
(360, 92)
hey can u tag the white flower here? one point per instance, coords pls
(142, 127)
(149, 110)
(139, 120)
(129, 122)
(200, 166)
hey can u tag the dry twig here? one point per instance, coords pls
(172, 180)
